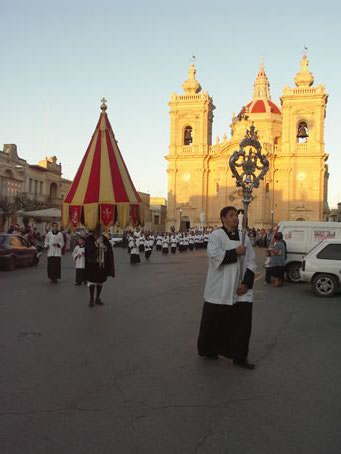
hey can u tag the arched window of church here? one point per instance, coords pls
(217, 187)
(302, 132)
(267, 187)
(188, 135)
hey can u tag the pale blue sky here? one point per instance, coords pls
(58, 58)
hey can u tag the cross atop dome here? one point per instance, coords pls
(191, 85)
(261, 87)
(261, 100)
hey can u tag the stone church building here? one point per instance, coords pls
(291, 134)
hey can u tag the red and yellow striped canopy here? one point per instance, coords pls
(102, 183)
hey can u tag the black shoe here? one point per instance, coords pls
(99, 302)
(211, 356)
(78, 283)
(91, 303)
(244, 364)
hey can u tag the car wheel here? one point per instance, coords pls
(293, 272)
(324, 285)
(11, 264)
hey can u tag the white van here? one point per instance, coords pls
(301, 237)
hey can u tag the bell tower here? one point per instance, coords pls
(191, 117)
(301, 172)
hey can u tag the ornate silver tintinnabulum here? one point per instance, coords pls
(248, 166)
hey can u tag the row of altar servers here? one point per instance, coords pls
(164, 243)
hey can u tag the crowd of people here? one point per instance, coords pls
(140, 242)
(225, 327)
(260, 237)
(29, 232)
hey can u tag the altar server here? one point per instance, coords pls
(148, 247)
(134, 253)
(54, 243)
(227, 313)
(78, 256)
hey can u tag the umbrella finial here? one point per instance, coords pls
(104, 105)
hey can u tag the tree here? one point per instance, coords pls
(23, 202)
(8, 207)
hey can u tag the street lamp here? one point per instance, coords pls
(180, 212)
(272, 219)
(248, 167)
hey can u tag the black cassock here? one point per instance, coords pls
(93, 271)
(226, 329)
(53, 267)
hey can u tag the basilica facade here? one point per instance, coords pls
(291, 133)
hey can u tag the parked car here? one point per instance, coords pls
(300, 238)
(16, 251)
(116, 239)
(322, 267)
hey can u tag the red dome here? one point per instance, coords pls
(260, 106)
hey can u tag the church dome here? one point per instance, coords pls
(261, 100)
(262, 106)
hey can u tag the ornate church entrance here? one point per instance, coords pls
(185, 223)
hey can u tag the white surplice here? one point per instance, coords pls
(222, 280)
(50, 240)
(78, 256)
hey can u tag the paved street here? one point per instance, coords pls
(126, 378)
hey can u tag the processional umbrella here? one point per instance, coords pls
(102, 191)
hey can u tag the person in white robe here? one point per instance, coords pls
(191, 242)
(54, 243)
(130, 243)
(135, 253)
(78, 256)
(141, 242)
(159, 242)
(148, 247)
(165, 245)
(206, 237)
(173, 244)
(227, 313)
(181, 243)
(185, 242)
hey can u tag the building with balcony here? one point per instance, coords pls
(42, 182)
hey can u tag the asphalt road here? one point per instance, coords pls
(126, 378)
